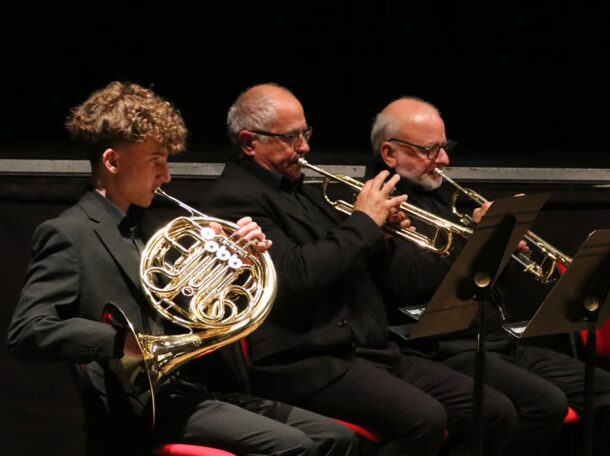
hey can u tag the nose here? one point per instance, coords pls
(442, 159)
(164, 175)
(302, 146)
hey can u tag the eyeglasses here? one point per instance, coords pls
(293, 139)
(432, 150)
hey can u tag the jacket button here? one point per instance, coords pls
(342, 323)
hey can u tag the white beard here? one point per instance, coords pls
(426, 181)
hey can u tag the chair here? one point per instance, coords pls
(180, 449)
(571, 416)
(362, 432)
(602, 345)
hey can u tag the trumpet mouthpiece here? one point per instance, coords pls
(302, 162)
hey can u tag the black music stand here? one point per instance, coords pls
(579, 300)
(465, 289)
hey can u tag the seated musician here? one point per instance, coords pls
(408, 137)
(88, 256)
(325, 344)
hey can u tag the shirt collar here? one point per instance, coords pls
(118, 217)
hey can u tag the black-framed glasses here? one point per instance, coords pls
(432, 150)
(293, 139)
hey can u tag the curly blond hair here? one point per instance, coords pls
(126, 113)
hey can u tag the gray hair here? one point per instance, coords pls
(386, 125)
(252, 112)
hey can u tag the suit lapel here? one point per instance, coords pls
(109, 235)
(115, 244)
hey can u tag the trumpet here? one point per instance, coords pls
(545, 269)
(441, 242)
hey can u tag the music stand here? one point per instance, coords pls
(579, 300)
(465, 289)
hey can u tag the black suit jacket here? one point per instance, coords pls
(80, 262)
(415, 274)
(328, 306)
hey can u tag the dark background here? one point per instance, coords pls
(518, 83)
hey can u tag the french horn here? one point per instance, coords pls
(212, 284)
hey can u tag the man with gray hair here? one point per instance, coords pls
(408, 137)
(325, 345)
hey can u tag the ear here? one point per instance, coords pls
(246, 142)
(388, 154)
(109, 160)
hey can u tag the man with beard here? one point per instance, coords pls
(408, 137)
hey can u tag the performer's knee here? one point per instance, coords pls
(339, 439)
(500, 412)
(500, 416)
(431, 424)
(294, 441)
(552, 406)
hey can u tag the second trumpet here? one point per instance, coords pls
(441, 242)
(543, 265)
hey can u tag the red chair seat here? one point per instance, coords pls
(180, 449)
(362, 432)
(602, 346)
(571, 416)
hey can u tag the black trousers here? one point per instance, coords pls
(541, 383)
(247, 425)
(413, 402)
